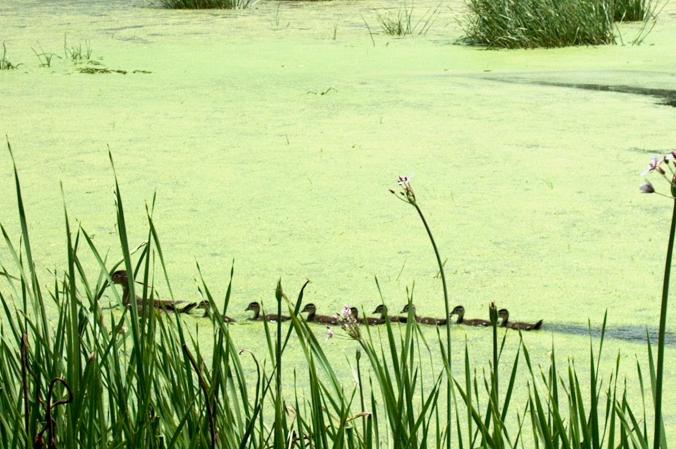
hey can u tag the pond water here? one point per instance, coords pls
(272, 136)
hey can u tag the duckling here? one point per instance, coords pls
(371, 321)
(312, 316)
(121, 277)
(504, 314)
(255, 307)
(382, 310)
(423, 319)
(460, 311)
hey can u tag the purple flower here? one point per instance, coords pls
(404, 182)
(653, 165)
(406, 191)
(346, 314)
(647, 188)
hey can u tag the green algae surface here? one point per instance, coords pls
(272, 136)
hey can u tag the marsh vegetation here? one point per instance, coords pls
(137, 377)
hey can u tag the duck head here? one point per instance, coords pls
(381, 309)
(504, 314)
(408, 307)
(309, 308)
(458, 310)
(120, 277)
(253, 306)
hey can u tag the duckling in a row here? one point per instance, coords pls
(460, 311)
(382, 310)
(422, 319)
(122, 278)
(255, 307)
(371, 321)
(504, 314)
(312, 316)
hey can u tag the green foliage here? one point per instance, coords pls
(538, 23)
(632, 10)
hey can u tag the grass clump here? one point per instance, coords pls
(207, 4)
(5, 63)
(79, 53)
(400, 22)
(44, 58)
(538, 23)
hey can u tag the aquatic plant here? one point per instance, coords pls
(5, 63)
(78, 53)
(44, 58)
(89, 378)
(207, 4)
(538, 23)
(400, 22)
(657, 166)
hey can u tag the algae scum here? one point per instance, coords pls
(527, 162)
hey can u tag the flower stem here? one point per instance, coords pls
(662, 330)
(449, 382)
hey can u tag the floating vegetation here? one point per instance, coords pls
(103, 70)
(99, 70)
(538, 23)
(207, 4)
(322, 92)
(5, 64)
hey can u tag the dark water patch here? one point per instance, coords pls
(634, 334)
(667, 97)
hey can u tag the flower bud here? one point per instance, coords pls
(647, 188)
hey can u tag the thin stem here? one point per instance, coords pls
(660, 341)
(24, 383)
(449, 382)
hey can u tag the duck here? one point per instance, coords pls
(121, 277)
(423, 319)
(504, 314)
(460, 311)
(255, 307)
(371, 321)
(382, 310)
(312, 316)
